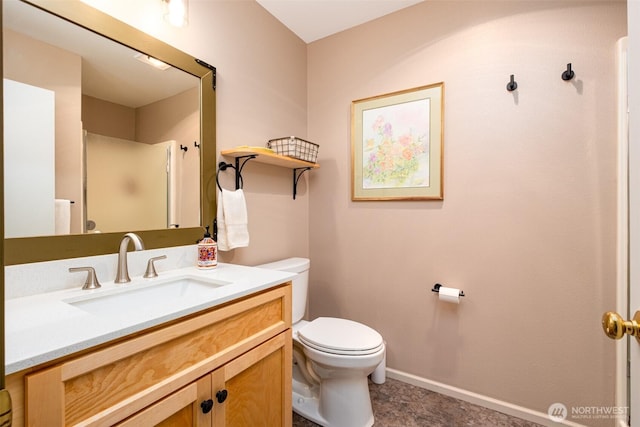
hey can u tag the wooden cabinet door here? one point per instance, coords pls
(258, 387)
(182, 408)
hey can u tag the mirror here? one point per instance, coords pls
(139, 118)
(105, 110)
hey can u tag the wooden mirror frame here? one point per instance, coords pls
(47, 248)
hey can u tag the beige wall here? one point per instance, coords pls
(39, 64)
(527, 225)
(107, 118)
(171, 118)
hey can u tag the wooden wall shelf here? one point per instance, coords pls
(263, 155)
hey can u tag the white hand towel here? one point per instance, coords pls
(233, 231)
(222, 226)
(62, 216)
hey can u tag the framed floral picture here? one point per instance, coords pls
(397, 145)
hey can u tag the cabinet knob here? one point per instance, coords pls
(206, 406)
(221, 396)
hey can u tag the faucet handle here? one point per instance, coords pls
(151, 268)
(92, 280)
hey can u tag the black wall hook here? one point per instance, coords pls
(195, 144)
(512, 85)
(184, 148)
(568, 74)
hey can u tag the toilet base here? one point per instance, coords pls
(306, 402)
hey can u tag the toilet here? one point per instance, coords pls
(332, 359)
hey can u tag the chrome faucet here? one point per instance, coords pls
(122, 275)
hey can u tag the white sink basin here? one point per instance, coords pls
(147, 298)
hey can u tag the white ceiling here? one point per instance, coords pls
(315, 19)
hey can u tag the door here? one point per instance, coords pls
(628, 377)
(633, 11)
(29, 160)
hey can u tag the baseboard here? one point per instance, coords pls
(478, 399)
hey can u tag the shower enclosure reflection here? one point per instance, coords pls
(129, 196)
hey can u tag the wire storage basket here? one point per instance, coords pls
(297, 148)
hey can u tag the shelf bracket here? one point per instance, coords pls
(296, 178)
(238, 168)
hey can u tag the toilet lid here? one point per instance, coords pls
(340, 336)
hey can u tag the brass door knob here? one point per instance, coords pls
(615, 326)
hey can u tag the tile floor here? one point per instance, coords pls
(397, 404)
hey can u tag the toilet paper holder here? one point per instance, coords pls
(437, 286)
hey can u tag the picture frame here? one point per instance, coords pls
(397, 145)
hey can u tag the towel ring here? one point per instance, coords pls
(222, 166)
(240, 162)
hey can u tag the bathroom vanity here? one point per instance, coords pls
(225, 361)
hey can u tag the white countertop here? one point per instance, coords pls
(43, 327)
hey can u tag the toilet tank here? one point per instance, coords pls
(300, 283)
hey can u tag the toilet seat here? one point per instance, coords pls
(340, 336)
